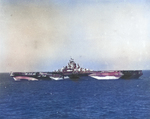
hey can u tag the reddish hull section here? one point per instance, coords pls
(106, 74)
(18, 78)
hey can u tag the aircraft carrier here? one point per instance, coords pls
(74, 71)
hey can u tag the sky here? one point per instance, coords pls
(42, 35)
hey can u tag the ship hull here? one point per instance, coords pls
(59, 78)
(131, 74)
(19, 78)
(105, 75)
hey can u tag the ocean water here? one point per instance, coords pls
(80, 99)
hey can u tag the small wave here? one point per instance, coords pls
(144, 77)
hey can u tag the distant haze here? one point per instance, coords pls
(43, 35)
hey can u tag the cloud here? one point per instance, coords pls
(35, 36)
(118, 34)
(31, 34)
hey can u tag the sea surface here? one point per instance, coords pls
(85, 98)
